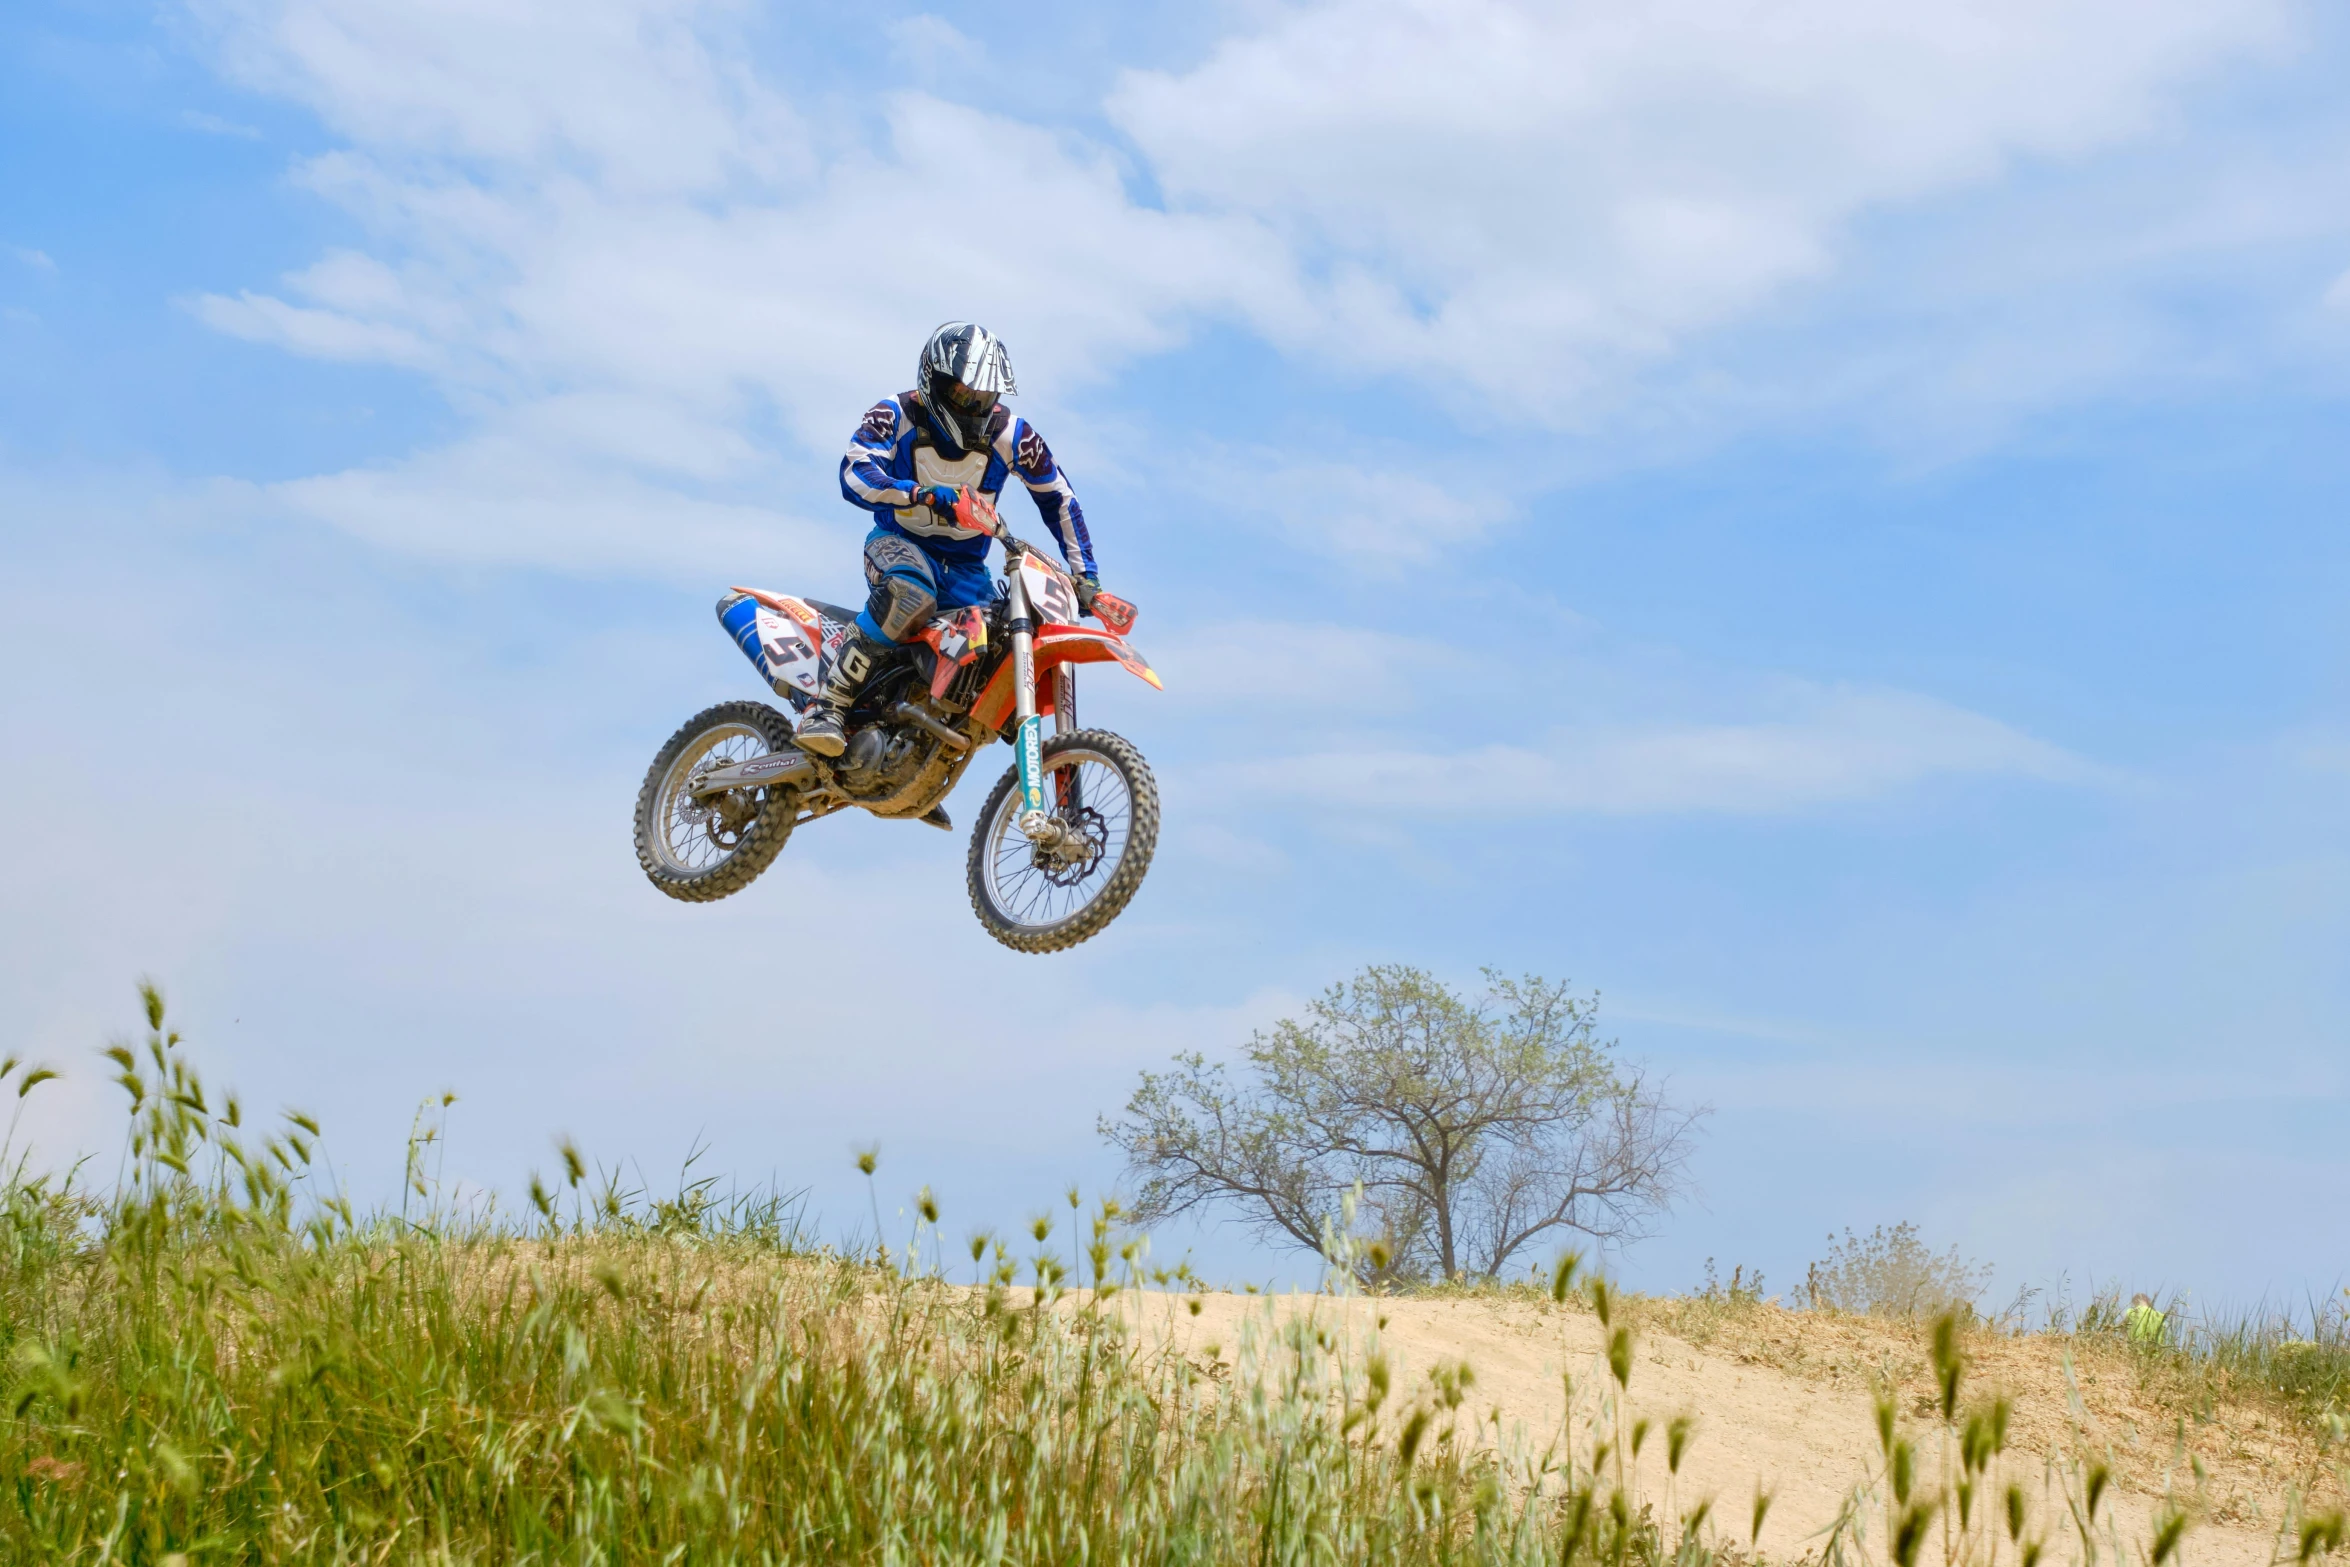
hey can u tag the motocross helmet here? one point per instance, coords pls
(964, 370)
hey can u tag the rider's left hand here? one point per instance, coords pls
(1087, 588)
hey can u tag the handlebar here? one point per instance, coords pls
(974, 510)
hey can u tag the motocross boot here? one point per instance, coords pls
(824, 732)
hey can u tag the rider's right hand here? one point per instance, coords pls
(939, 498)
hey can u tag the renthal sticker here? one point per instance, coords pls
(880, 427)
(761, 766)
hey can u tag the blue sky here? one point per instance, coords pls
(1825, 525)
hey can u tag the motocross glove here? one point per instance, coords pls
(939, 498)
(1088, 588)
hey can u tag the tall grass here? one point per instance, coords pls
(214, 1362)
(217, 1360)
(2296, 1357)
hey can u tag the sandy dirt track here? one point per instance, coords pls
(1784, 1400)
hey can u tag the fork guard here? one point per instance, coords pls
(1055, 646)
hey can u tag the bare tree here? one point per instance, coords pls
(1472, 1127)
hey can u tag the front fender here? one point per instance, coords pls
(1057, 645)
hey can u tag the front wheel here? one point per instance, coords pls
(1046, 897)
(701, 850)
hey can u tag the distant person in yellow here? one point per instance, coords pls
(2142, 1323)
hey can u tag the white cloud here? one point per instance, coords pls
(38, 260)
(214, 125)
(1546, 211)
(1837, 744)
(2320, 750)
(2337, 297)
(625, 228)
(316, 334)
(1294, 673)
(508, 497)
(1532, 202)
(629, 92)
(554, 242)
(1348, 505)
(1314, 708)
(934, 48)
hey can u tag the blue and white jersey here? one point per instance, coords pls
(893, 454)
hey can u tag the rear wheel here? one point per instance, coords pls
(1046, 897)
(701, 850)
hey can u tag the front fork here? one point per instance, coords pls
(1037, 824)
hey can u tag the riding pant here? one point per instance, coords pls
(908, 584)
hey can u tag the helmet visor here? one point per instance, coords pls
(964, 400)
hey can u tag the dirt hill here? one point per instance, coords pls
(1785, 1400)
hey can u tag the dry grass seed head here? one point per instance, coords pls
(1677, 1431)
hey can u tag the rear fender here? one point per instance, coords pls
(1055, 646)
(788, 639)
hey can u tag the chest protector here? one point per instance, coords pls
(934, 465)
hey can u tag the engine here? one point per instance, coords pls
(878, 756)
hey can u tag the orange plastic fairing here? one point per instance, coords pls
(1055, 646)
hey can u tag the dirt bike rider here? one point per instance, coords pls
(915, 461)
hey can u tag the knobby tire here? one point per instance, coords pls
(762, 841)
(1142, 842)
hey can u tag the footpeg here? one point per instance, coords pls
(937, 817)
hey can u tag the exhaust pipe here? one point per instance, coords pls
(908, 713)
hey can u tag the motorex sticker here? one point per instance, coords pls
(1032, 764)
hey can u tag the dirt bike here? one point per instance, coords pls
(1066, 834)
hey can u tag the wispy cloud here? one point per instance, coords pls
(1534, 202)
(934, 48)
(36, 259)
(1543, 215)
(213, 125)
(1324, 671)
(317, 334)
(514, 498)
(1371, 509)
(1314, 708)
(1843, 744)
(2321, 750)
